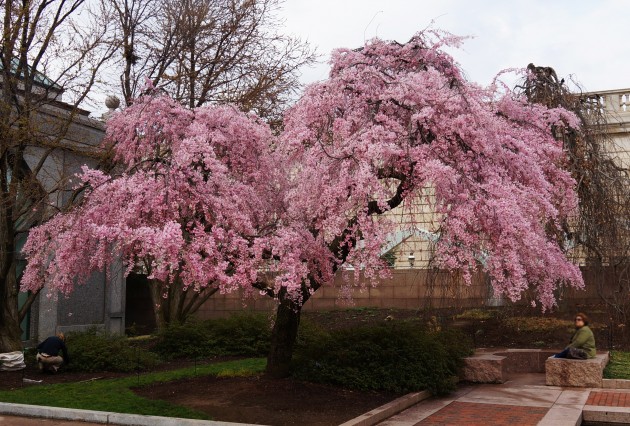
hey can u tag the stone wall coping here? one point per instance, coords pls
(513, 350)
(616, 384)
(606, 415)
(487, 356)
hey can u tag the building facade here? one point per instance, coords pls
(101, 302)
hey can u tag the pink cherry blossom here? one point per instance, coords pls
(185, 204)
(211, 197)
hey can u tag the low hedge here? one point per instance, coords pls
(241, 334)
(397, 357)
(95, 350)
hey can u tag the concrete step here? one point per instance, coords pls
(607, 415)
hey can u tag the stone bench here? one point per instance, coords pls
(484, 368)
(576, 372)
(495, 365)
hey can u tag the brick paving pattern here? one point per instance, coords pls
(609, 399)
(472, 414)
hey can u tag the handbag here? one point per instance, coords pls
(576, 353)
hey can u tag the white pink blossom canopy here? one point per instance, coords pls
(210, 196)
(192, 196)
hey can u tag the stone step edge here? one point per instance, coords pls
(104, 417)
(386, 411)
(616, 384)
(604, 414)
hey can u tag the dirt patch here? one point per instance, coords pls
(261, 400)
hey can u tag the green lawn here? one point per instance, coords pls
(115, 394)
(619, 366)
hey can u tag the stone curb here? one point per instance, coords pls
(616, 384)
(608, 415)
(567, 416)
(386, 411)
(104, 417)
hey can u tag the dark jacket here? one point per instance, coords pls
(52, 346)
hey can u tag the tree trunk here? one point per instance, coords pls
(283, 338)
(179, 305)
(10, 331)
(158, 302)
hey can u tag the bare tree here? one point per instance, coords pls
(599, 235)
(210, 52)
(50, 56)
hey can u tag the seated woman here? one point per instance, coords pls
(582, 344)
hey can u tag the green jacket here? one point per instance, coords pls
(584, 339)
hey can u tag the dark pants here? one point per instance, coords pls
(562, 354)
(572, 353)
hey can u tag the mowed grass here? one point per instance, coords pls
(619, 366)
(115, 395)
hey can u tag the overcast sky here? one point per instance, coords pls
(589, 40)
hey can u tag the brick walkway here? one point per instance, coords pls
(472, 414)
(609, 399)
(522, 400)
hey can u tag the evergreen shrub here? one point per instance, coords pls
(95, 350)
(395, 356)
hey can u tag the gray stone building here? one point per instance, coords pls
(101, 302)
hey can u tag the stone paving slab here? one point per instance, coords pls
(411, 416)
(423, 410)
(562, 416)
(573, 397)
(534, 396)
(385, 411)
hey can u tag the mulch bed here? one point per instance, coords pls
(261, 400)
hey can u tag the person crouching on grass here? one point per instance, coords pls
(48, 358)
(582, 344)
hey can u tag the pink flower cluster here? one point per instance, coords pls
(185, 208)
(211, 197)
